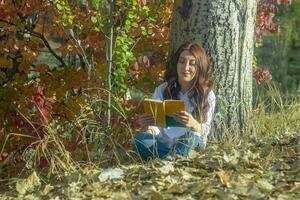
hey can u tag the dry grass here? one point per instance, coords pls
(97, 145)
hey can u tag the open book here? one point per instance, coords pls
(163, 111)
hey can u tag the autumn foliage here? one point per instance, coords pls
(36, 91)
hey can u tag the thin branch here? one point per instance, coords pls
(7, 22)
(42, 37)
(46, 43)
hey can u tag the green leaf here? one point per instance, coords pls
(94, 19)
(59, 7)
(258, 44)
(144, 31)
(130, 15)
(150, 31)
(96, 29)
(134, 24)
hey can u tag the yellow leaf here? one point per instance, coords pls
(28, 185)
(296, 188)
(224, 178)
(2, 75)
(24, 66)
(48, 188)
(4, 62)
(2, 24)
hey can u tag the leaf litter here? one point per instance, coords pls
(260, 170)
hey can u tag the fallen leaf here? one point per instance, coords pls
(252, 164)
(177, 188)
(28, 185)
(166, 168)
(156, 196)
(264, 186)
(109, 174)
(48, 188)
(193, 154)
(224, 178)
(295, 188)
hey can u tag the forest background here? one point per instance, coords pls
(57, 103)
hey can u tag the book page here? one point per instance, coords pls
(172, 106)
(156, 109)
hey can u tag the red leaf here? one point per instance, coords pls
(144, 2)
(3, 156)
(2, 13)
(285, 2)
(262, 75)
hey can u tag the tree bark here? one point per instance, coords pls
(226, 30)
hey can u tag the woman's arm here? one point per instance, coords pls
(145, 121)
(212, 103)
(189, 121)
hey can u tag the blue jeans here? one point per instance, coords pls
(149, 146)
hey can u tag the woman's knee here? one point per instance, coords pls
(145, 144)
(140, 136)
(189, 141)
(144, 139)
(198, 139)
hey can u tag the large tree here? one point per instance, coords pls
(226, 30)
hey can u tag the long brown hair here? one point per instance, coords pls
(202, 82)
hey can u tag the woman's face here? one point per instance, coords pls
(186, 67)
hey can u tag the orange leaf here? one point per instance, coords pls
(4, 62)
(42, 68)
(2, 75)
(24, 66)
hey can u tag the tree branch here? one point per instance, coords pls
(42, 37)
(7, 22)
(46, 43)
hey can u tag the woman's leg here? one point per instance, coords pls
(149, 147)
(162, 149)
(187, 142)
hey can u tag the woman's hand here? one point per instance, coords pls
(145, 121)
(188, 120)
(185, 118)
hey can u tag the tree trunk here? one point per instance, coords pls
(226, 30)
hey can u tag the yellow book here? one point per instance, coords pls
(163, 111)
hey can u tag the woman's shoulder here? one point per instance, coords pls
(159, 90)
(162, 86)
(211, 96)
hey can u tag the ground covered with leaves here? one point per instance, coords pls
(267, 169)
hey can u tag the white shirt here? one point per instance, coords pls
(170, 134)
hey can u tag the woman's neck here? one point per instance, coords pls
(184, 87)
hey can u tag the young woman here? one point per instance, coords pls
(189, 78)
